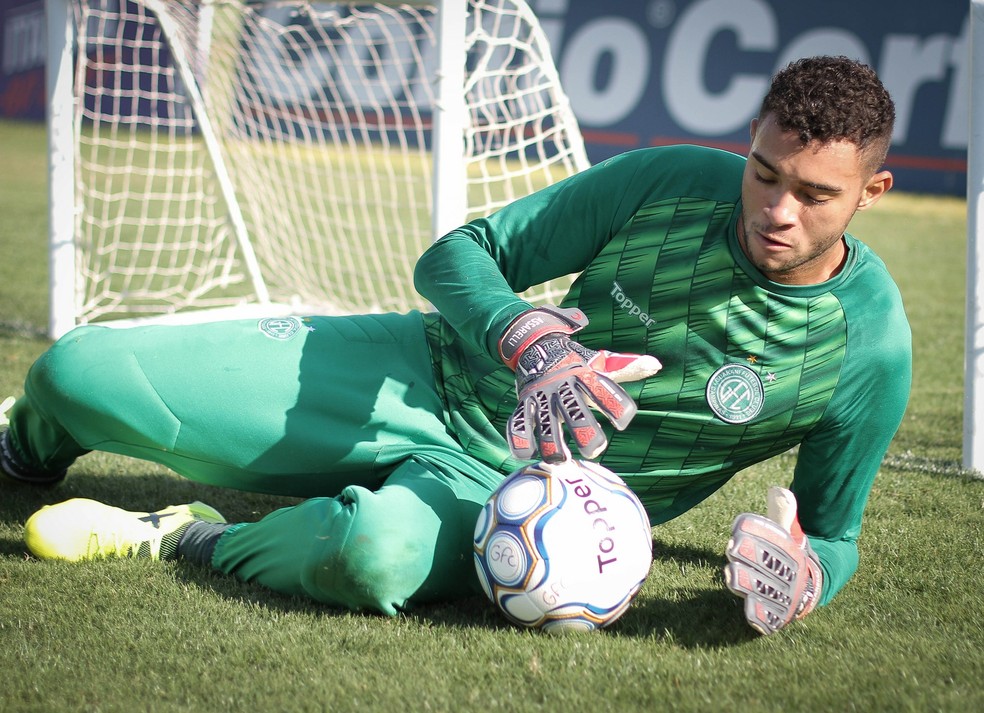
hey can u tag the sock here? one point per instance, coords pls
(197, 542)
(169, 546)
(11, 466)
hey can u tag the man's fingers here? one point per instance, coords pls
(549, 433)
(582, 424)
(537, 425)
(781, 507)
(768, 569)
(519, 429)
(760, 541)
(751, 581)
(768, 604)
(608, 397)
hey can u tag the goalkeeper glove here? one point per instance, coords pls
(557, 380)
(772, 565)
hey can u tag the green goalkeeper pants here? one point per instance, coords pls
(342, 411)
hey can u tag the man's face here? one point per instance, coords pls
(797, 201)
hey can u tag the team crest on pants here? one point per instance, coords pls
(735, 393)
(280, 328)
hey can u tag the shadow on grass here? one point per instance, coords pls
(709, 618)
(697, 616)
(686, 617)
(706, 618)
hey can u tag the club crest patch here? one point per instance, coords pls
(280, 328)
(735, 393)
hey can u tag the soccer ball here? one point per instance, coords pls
(563, 547)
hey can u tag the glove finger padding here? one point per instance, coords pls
(535, 427)
(564, 395)
(772, 566)
(601, 392)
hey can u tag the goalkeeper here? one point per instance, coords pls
(721, 316)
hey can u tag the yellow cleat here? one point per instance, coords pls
(81, 529)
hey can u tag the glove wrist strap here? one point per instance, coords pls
(533, 324)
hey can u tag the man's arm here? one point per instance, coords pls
(838, 461)
(836, 464)
(472, 274)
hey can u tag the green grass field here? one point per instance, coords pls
(906, 634)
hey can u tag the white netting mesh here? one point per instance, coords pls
(317, 116)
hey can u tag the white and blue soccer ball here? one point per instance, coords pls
(563, 547)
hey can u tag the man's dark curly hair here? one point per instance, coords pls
(833, 98)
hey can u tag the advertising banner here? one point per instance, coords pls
(653, 72)
(22, 57)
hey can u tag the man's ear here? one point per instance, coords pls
(877, 186)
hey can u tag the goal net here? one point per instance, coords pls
(276, 156)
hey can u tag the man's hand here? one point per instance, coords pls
(772, 565)
(558, 380)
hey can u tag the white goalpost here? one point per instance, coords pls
(973, 431)
(213, 158)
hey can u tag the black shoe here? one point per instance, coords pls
(15, 470)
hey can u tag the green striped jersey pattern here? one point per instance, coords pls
(700, 311)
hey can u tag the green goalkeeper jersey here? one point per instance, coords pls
(751, 368)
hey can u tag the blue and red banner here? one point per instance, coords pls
(651, 72)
